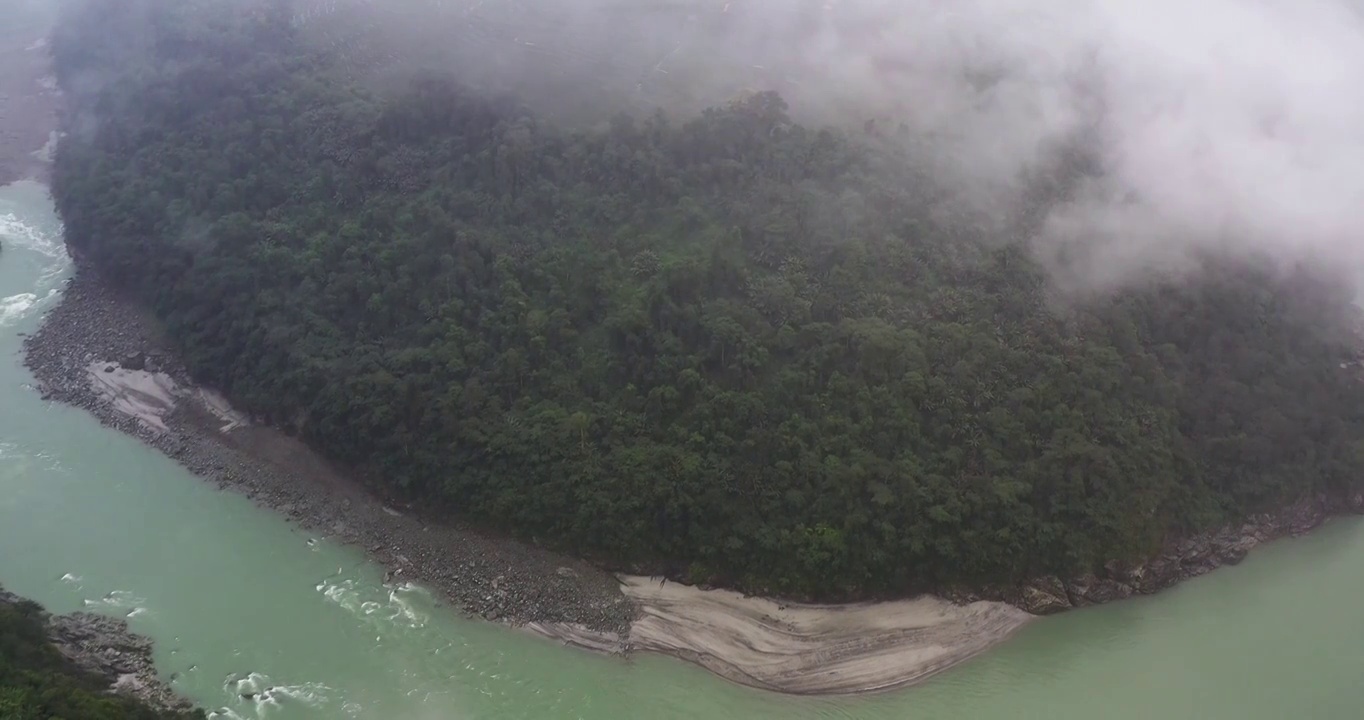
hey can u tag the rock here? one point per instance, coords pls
(1158, 574)
(1195, 551)
(105, 647)
(1234, 552)
(1077, 590)
(134, 361)
(1103, 591)
(1191, 557)
(1045, 596)
(1116, 570)
(1306, 515)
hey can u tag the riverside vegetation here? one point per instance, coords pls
(729, 347)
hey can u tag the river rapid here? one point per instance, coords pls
(256, 619)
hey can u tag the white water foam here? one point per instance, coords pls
(262, 696)
(117, 600)
(397, 610)
(404, 610)
(19, 233)
(16, 233)
(15, 306)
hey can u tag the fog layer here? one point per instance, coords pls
(1218, 124)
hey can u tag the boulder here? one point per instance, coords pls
(134, 361)
(1158, 574)
(1124, 573)
(1044, 596)
(1233, 552)
(1077, 590)
(1302, 516)
(1103, 590)
(1193, 557)
(1093, 590)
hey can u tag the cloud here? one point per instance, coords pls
(1220, 124)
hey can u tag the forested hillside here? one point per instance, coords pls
(727, 346)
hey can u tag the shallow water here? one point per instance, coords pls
(239, 602)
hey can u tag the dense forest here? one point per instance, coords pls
(37, 683)
(729, 346)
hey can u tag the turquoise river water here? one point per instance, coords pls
(239, 601)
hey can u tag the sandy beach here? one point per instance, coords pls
(811, 649)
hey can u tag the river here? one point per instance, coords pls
(240, 602)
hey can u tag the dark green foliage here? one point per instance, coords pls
(735, 348)
(37, 683)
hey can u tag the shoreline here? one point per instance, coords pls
(1178, 560)
(99, 352)
(104, 646)
(102, 354)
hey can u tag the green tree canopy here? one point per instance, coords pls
(728, 345)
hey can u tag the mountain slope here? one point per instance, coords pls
(730, 347)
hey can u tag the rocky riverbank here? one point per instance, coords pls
(105, 647)
(1180, 560)
(100, 353)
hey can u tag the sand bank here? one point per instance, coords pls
(806, 649)
(136, 393)
(793, 648)
(150, 396)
